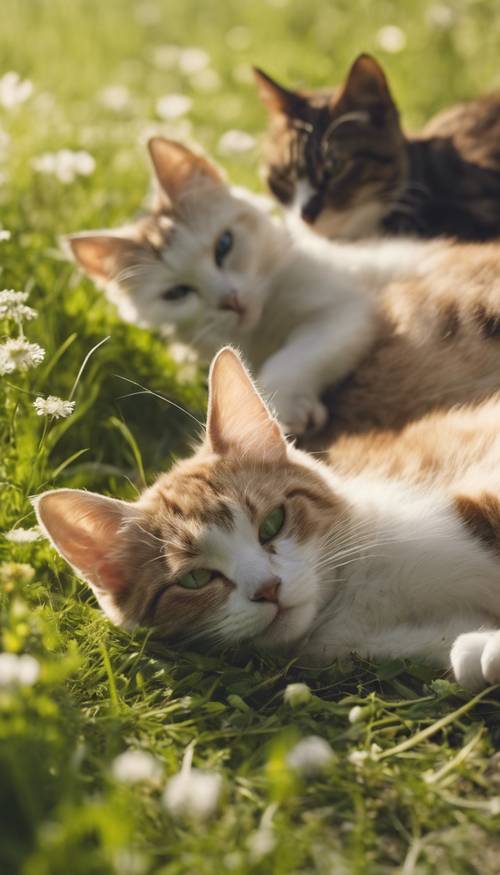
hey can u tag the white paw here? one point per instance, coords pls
(300, 413)
(475, 659)
(490, 659)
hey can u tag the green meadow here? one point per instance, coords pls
(412, 783)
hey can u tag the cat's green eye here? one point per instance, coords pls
(223, 247)
(196, 579)
(271, 525)
(177, 293)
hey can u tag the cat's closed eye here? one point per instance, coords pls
(223, 247)
(177, 293)
(272, 525)
(197, 578)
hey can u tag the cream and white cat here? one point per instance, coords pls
(217, 269)
(390, 551)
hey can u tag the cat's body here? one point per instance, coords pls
(302, 311)
(341, 162)
(305, 312)
(391, 551)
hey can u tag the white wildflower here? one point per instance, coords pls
(441, 15)
(239, 38)
(166, 57)
(494, 805)
(297, 694)
(115, 97)
(192, 60)
(53, 406)
(23, 536)
(4, 234)
(311, 756)
(207, 81)
(192, 793)
(129, 861)
(14, 90)
(173, 106)
(356, 714)
(233, 142)
(65, 164)
(391, 38)
(18, 671)
(16, 572)
(19, 354)
(134, 766)
(12, 305)
(263, 841)
(358, 758)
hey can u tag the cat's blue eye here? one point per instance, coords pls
(177, 293)
(271, 525)
(223, 247)
(196, 579)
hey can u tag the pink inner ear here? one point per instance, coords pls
(85, 528)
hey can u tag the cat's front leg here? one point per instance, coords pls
(316, 356)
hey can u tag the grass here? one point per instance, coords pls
(426, 798)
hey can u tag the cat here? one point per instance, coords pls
(340, 160)
(391, 550)
(217, 269)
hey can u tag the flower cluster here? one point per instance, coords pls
(18, 671)
(65, 164)
(53, 406)
(12, 304)
(18, 354)
(14, 90)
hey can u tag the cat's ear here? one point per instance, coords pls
(88, 531)
(100, 254)
(276, 98)
(366, 84)
(238, 419)
(179, 170)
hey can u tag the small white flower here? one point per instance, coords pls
(18, 671)
(16, 572)
(12, 305)
(65, 164)
(207, 81)
(53, 406)
(441, 15)
(192, 793)
(311, 756)
(4, 234)
(23, 536)
(115, 97)
(239, 38)
(391, 38)
(173, 106)
(166, 57)
(234, 142)
(297, 694)
(358, 758)
(134, 766)
(14, 90)
(263, 840)
(19, 354)
(192, 60)
(356, 714)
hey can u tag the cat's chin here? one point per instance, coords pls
(288, 626)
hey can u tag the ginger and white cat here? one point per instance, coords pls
(217, 269)
(392, 550)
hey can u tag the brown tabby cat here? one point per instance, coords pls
(341, 161)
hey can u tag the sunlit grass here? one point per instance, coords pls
(414, 786)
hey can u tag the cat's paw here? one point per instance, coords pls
(490, 659)
(300, 413)
(475, 659)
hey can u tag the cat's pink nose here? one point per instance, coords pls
(232, 302)
(268, 591)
